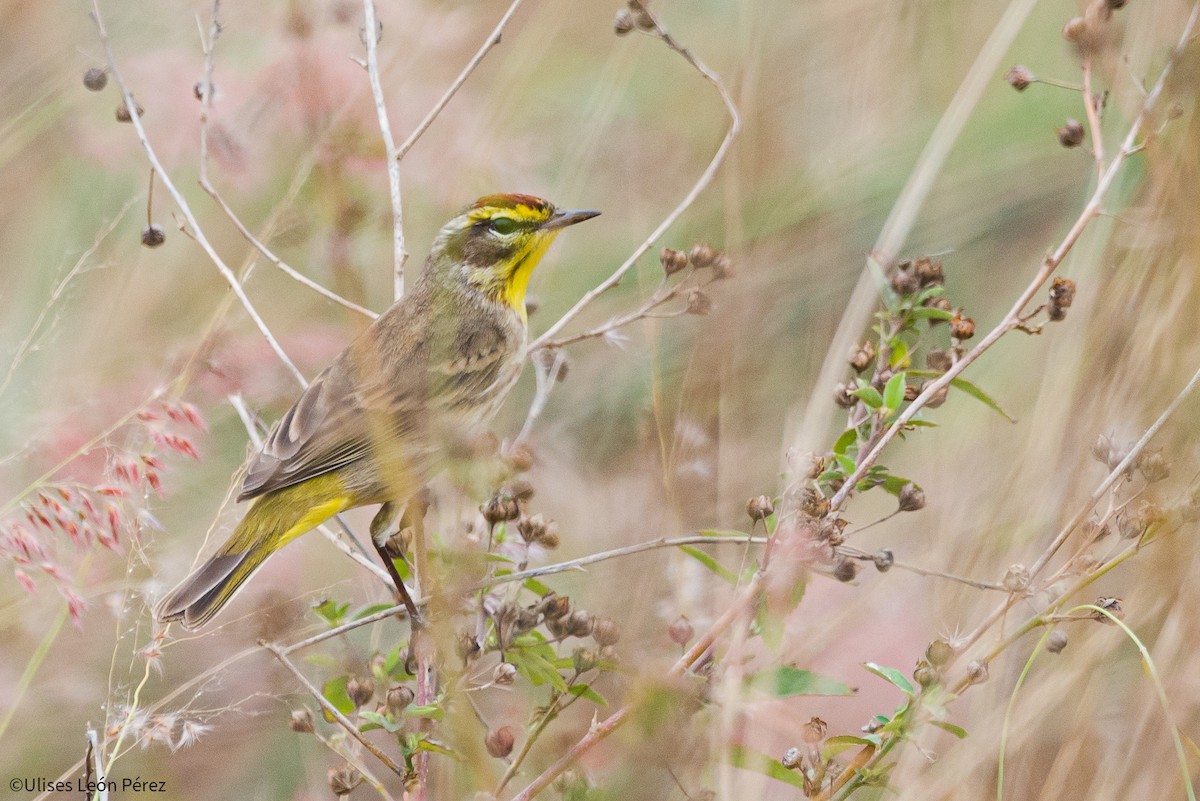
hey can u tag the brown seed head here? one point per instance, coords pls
(1062, 292)
(792, 759)
(962, 327)
(532, 529)
(122, 112)
(672, 261)
(905, 282)
(702, 256)
(153, 236)
(398, 699)
(939, 652)
(1019, 77)
(584, 659)
(579, 624)
(504, 674)
(845, 570)
(343, 780)
(940, 360)
(681, 631)
(555, 606)
(499, 742)
(940, 302)
(842, 396)
(95, 79)
(466, 646)
(911, 498)
(925, 675)
(1016, 578)
(814, 731)
(884, 559)
(606, 631)
(302, 721)
(929, 272)
(862, 355)
(977, 671)
(760, 507)
(1110, 605)
(697, 301)
(813, 503)
(500, 509)
(722, 267)
(1154, 467)
(519, 457)
(1057, 641)
(361, 691)
(623, 22)
(1070, 134)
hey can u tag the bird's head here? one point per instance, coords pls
(494, 244)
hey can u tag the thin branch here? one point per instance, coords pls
(492, 40)
(371, 35)
(702, 182)
(333, 711)
(1094, 130)
(195, 231)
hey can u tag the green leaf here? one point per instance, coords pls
(331, 611)
(497, 557)
(930, 313)
(584, 691)
(537, 668)
(966, 386)
(899, 355)
(435, 748)
(957, 731)
(749, 759)
(869, 395)
(893, 393)
(724, 533)
(891, 675)
(367, 611)
(430, 711)
(334, 692)
(836, 745)
(849, 437)
(787, 681)
(710, 562)
(378, 721)
(846, 464)
(536, 587)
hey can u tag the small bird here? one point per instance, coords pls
(377, 423)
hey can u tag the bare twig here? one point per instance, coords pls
(194, 227)
(492, 40)
(1093, 118)
(371, 35)
(333, 711)
(97, 763)
(735, 126)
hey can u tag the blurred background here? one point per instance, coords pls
(662, 433)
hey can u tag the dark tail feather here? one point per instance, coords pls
(202, 594)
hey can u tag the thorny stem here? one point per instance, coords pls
(492, 40)
(371, 32)
(194, 227)
(735, 126)
(1051, 262)
(332, 710)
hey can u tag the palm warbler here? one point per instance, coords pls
(376, 424)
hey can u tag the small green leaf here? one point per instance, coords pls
(849, 437)
(392, 658)
(367, 611)
(966, 386)
(930, 313)
(378, 721)
(497, 557)
(846, 464)
(334, 692)
(893, 393)
(331, 611)
(535, 667)
(868, 395)
(430, 711)
(749, 759)
(710, 562)
(891, 675)
(787, 681)
(584, 691)
(836, 745)
(536, 587)
(899, 355)
(957, 731)
(435, 748)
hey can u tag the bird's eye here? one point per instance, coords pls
(503, 225)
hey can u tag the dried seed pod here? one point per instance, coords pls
(584, 659)
(1062, 292)
(941, 303)
(1057, 641)
(681, 631)
(555, 606)
(911, 391)
(606, 631)
(398, 699)
(520, 457)
(905, 282)
(842, 396)
(845, 570)
(550, 539)
(884, 559)
(697, 301)
(977, 672)
(532, 528)
(1016, 578)
(722, 267)
(925, 675)
(623, 22)
(760, 507)
(702, 256)
(579, 624)
(504, 674)
(939, 652)
(95, 79)
(911, 498)
(938, 398)
(1154, 467)
(466, 646)
(862, 355)
(1110, 605)
(1070, 134)
(123, 114)
(153, 236)
(343, 780)
(962, 327)
(302, 721)
(499, 742)
(500, 509)
(361, 691)
(814, 731)
(929, 272)
(1019, 77)
(813, 503)
(672, 261)
(642, 18)
(940, 360)
(792, 759)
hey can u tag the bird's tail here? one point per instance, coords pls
(272, 521)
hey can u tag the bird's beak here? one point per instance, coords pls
(561, 219)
